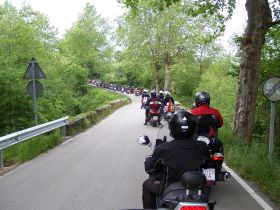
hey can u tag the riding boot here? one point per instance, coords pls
(146, 121)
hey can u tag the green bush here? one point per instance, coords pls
(222, 89)
(252, 162)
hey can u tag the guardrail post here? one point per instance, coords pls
(1, 159)
(63, 130)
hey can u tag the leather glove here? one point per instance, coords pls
(159, 141)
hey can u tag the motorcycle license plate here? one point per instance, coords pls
(155, 118)
(210, 174)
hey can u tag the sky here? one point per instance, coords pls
(62, 13)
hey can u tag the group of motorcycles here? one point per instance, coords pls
(193, 191)
(116, 87)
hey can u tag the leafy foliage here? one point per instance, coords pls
(165, 46)
(270, 66)
(86, 43)
(222, 9)
(67, 63)
(251, 161)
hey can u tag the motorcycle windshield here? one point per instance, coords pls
(164, 133)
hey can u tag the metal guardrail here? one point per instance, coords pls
(20, 136)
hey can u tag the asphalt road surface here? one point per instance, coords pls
(100, 169)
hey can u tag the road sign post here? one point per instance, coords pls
(271, 128)
(34, 72)
(34, 93)
(271, 90)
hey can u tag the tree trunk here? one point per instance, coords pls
(167, 64)
(259, 18)
(157, 76)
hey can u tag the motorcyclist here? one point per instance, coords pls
(161, 95)
(153, 98)
(168, 102)
(168, 98)
(161, 98)
(171, 160)
(145, 93)
(209, 118)
(145, 96)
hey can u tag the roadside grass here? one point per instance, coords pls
(95, 98)
(252, 163)
(186, 100)
(33, 147)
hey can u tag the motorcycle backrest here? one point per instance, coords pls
(193, 180)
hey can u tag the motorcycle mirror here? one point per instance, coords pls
(204, 139)
(143, 140)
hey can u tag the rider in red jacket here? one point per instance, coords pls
(209, 119)
(152, 103)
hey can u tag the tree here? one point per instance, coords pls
(260, 19)
(86, 43)
(162, 37)
(24, 34)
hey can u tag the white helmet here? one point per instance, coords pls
(160, 92)
(166, 93)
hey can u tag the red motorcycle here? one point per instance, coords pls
(154, 114)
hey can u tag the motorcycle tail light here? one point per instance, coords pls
(218, 156)
(193, 208)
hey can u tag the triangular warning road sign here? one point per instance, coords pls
(39, 74)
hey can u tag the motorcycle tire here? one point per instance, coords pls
(207, 191)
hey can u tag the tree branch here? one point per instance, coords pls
(274, 23)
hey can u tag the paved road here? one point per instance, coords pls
(100, 169)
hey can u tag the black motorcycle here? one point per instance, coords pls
(186, 194)
(213, 168)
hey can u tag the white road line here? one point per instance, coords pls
(260, 201)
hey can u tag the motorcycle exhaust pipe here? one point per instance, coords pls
(227, 176)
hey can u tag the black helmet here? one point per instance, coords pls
(153, 94)
(202, 98)
(182, 124)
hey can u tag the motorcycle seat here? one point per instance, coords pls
(193, 180)
(173, 190)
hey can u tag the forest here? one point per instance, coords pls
(164, 45)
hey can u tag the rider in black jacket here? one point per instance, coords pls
(171, 160)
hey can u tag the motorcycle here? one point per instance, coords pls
(186, 194)
(168, 111)
(213, 167)
(154, 114)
